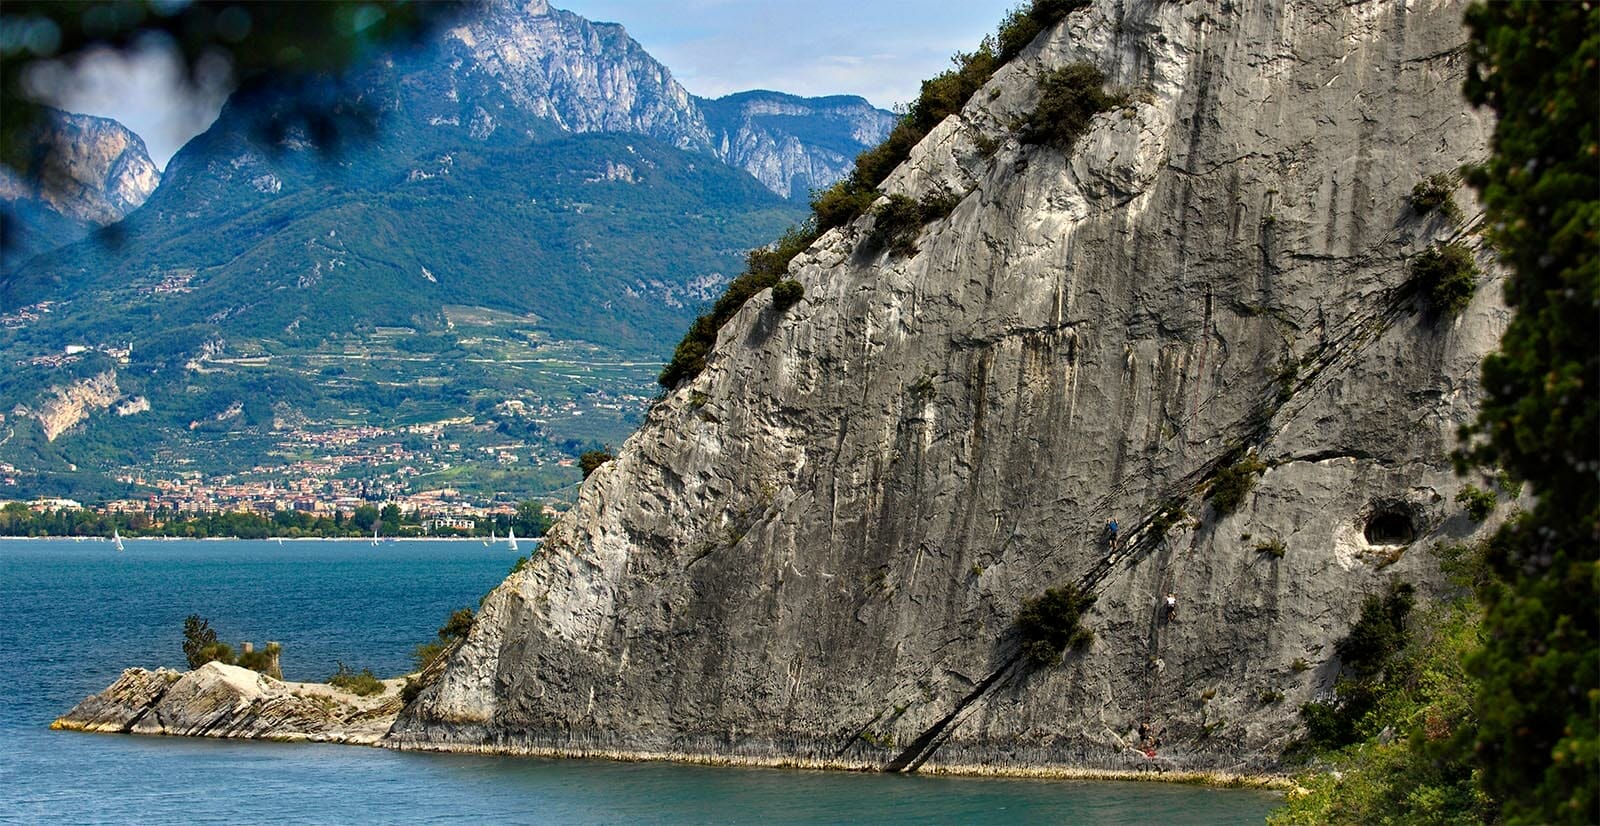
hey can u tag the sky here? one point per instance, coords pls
(878, 49)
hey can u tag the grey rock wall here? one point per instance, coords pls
(816, 549)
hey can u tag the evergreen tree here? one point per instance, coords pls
(1538, 702)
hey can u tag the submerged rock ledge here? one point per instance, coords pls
(227, 701)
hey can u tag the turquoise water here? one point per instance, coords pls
(72, 615)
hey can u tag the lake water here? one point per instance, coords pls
(73, 615)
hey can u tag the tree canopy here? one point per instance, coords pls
(1535, 65)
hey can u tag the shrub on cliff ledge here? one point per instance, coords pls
(591, 460)
(455, 629)
(1052, 622)
(786, 294)
(1433, 192)
(1233, 483)
(1448, 276)
(1071, 97)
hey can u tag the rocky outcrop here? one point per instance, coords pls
(88, 172)
(793, 145)
(557, 66)
(67, 405)
(217, 700)
(816, 549)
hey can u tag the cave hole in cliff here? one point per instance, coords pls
(1390, 524)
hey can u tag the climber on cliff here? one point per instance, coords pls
(1111, 533)
(1172, 607)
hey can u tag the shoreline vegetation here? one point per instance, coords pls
(19, 521)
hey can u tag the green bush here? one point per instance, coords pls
(364, 684)
(786, 294)
(1477, 502)
(455, 629)
(1051, 622)
(939, 203)
(841, 203)
(262, 661)
(1388, 737)
(896, 222)
(591, 460)
(1433, 192)
(215, 652)
(1379, 633)
(1273, 548)
(1070, 98)
(1447, 275)
(410, 690)
(522, 562)
(1233, 483)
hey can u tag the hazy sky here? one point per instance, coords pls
(879, 49)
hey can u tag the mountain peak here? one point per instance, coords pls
(96, 172)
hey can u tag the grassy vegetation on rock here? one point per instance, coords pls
(361, 684)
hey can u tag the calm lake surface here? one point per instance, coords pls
(73, 615)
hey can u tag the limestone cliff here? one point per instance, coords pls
(66, 405)
(90, 173)
(816, 549)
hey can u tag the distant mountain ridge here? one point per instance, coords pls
(793, 144)
(100, 172)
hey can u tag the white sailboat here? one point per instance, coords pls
(374, 534)
(511, 539)
(116, 539)
(490, 540)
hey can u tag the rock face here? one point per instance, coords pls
(790, 144)
(817, 548)
(67, 405)
(219, 700)
(525, 59)
(97, 172)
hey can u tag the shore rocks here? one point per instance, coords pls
(217, 700)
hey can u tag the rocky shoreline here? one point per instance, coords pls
(227, 701)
